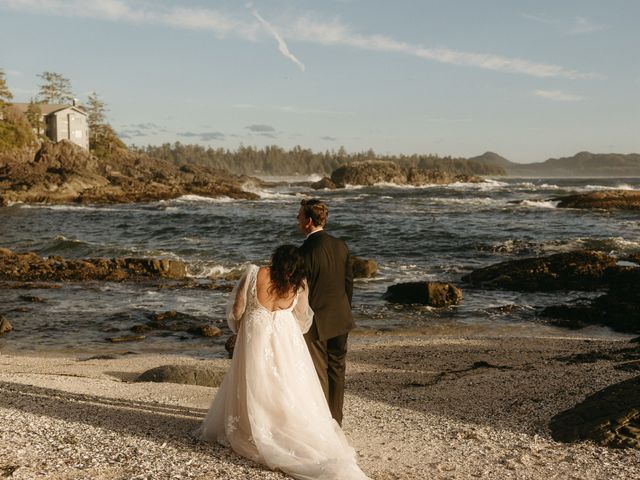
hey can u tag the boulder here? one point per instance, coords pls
(184, 374)
(579, 270)
(363, 268)
(609, 417)
(206, 331)
(5, 326)
(605, 199)
(324, 183)
(434, 294)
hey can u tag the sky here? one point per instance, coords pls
(527, 79)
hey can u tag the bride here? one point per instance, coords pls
(271, 407)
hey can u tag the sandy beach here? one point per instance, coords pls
(419, 405)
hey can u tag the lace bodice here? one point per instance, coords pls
(244, 300)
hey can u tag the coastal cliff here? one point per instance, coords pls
(65, 173)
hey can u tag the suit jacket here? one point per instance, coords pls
(330, 281)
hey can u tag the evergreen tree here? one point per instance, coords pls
(5, 94)
(55, 89)
(96, 119)
(34, 117)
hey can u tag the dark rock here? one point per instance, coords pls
(605, 199)
(206, 331)
(230, 344)
(29, 267)
(618, 309)
(5, 326)
(435, 294)
(610, 417)
(363, 268)
(579, 270)
(31, 298)
(184, 374)
(325, 182)
(175, 322)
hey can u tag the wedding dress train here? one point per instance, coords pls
(271, 407)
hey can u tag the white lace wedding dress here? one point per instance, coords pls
(270, 407)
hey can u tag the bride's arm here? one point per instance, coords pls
(302, 311)
(237, 301)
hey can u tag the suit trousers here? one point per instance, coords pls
(329, 357)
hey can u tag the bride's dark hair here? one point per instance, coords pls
(288, 270)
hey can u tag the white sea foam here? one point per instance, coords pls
(540, 203)
(214, 270)
(620, 186)
(201, 199)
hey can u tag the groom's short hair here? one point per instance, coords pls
(316, 210)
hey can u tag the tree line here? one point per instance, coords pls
(275, 160)
(18, 130)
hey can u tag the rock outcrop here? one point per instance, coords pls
(374, 172)
(618, 308)
(606, 199)
(434, 294)
(184, 374)
(64, 173)
(324, 183)
(578, 270)
(610, 417)
(363, 268)
(5, 326)
(28, 267)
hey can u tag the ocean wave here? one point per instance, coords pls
(620, 186)
(314, 177)
(485, 185)
(212, 270)
(269, 195)
(200, 199)
(540, 203)
(69, 208)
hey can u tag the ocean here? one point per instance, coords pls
(433, 233)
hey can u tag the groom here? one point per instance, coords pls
(330, 288)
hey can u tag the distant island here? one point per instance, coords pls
(582, 164)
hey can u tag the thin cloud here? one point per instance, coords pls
(282, 45)
(558, 96)
(260, 128)
(203, 136)
(290, 109)
(584, 26)
(303, 29)
(121, 11)
(579, 26)
(336, 33)
(328, 139)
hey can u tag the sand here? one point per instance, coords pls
(418, 406)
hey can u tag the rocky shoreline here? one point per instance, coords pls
(65, 173)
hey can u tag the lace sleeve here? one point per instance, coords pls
(302, 311)
(237, 302)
